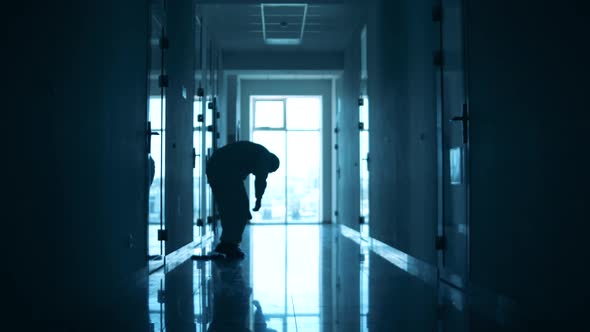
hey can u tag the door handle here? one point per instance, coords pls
(464, 118)
(149, 133)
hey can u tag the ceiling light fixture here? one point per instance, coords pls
(283, 24)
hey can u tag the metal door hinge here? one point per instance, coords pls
(200, 118)
(200, 222)
(361, 126)
(336, 213)
(361, 220)
(440, 243)
(336, 130)
(162, 235)
(210, 219)
(210, 128)
(335, 146)
(361, 101)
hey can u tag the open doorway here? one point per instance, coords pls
(290, 127)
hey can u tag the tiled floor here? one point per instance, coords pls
(303, 278)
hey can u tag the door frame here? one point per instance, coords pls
(446, 275)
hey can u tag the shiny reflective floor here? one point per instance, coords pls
(306, 278)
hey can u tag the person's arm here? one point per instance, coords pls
(259, 188)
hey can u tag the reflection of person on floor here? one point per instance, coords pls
(227, 169)
(231, 301)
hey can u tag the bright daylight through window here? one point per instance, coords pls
(290, 128)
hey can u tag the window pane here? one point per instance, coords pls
(268, 114)
(303, 177)
(273, 201)
(155, 112)
(304, 113)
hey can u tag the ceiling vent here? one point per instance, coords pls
(283, 24)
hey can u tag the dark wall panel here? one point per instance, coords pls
(401, 38)
(179, 121)
(529, 168)
(78, 172)
(348, 136)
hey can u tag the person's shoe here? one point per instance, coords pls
(230, 250)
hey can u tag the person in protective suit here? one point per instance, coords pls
(226, 171)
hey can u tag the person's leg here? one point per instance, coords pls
(235, 213)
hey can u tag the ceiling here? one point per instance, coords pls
(287, 27)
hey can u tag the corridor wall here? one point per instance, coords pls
(401, 89)
(77, 205)
(529, 184)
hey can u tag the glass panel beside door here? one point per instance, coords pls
(156, 116)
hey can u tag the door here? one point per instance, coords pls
(454, 241)
(156, 136)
